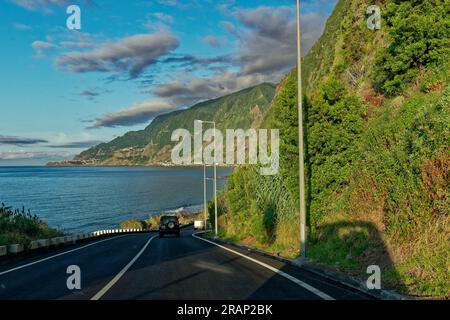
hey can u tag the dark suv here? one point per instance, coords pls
(169, 225)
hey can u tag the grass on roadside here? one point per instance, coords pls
(20, 226)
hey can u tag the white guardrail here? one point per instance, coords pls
(14, 249)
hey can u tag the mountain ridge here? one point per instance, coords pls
(152, 145)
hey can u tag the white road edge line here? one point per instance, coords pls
(57, 255)
(110, 284)
(304, 285)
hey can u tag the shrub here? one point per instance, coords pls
(20, 226)
(419, 33)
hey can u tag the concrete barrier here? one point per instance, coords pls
(15, 248)
(54, 241)
(3, 250)
(33, 245)
(43, 243)
(199, 224)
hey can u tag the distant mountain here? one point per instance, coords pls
(152, 146)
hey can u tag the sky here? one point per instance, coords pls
(63, 90)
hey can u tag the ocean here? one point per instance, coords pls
(83, 199)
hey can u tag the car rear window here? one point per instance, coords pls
(168, 219)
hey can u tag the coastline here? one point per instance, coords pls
(90, 198)
(68, 164)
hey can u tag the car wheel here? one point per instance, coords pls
(160, 235)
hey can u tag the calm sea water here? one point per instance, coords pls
(87, 199)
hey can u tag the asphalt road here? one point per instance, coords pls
(142, 266)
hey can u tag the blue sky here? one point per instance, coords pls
(65, 90)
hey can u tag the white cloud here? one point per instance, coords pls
(26, 155)
(20, 141)
(137, 113)
(39, 4)
(163, 17)
(268, 42)
(214, 41)
(41, 48)
(47, 5)
(266, 50)
(22, 26)
(76, 44)
(131, 54)
(189, 92)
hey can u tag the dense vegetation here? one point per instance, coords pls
(377, 138)
(419, 33)
(20, 226)
(242, 109)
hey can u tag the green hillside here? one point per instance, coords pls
(244, 109)
(377, 142)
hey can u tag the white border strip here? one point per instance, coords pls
(57, 255)
(277, 271)
(110, 284)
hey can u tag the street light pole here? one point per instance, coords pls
(215, 178)
(204, 192)
(215, 181)
(300, 141)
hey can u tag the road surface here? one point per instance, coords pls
(143, 266)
